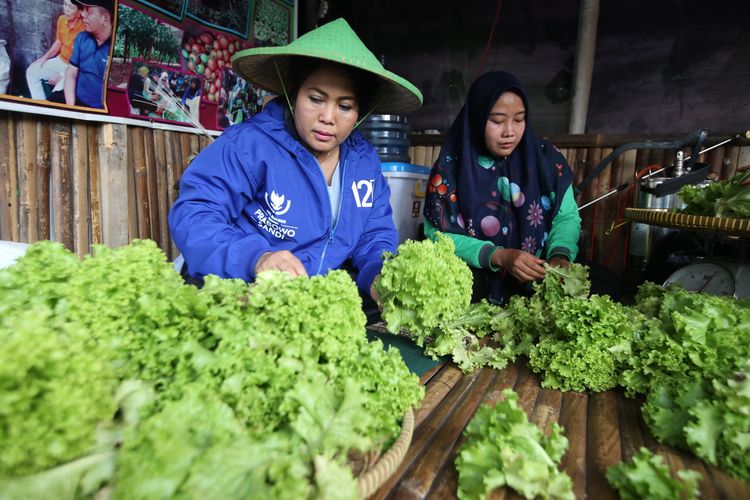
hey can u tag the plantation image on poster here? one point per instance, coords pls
(228, 15)
(163, 93)
(172, 8)
(238, 99)
(57, 53)
(142, 37)
(272, 22)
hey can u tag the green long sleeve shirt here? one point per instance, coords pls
(562, 240)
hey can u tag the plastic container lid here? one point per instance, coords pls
(395, 166)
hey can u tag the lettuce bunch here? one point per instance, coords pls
(646, 475)
(423, 285)
(503, 449)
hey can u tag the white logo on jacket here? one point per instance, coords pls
(277, 203)
(363, 192)
(270, 221)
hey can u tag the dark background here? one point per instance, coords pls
(661, 66)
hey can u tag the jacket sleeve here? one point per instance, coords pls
(379, 233)
(213, 191)
(566, 229)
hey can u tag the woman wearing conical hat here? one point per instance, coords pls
(296, 188)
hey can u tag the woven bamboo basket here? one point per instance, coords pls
(720, 225)
(376, 469)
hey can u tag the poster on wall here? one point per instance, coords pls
(155, 60)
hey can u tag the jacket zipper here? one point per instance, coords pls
(332, 231)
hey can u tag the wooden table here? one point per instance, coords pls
(602, 429)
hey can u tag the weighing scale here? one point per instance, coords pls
(717, 278)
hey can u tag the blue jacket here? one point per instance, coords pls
(256, 189)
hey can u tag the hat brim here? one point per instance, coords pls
(268, 67)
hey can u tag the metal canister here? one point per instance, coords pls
(643, 237)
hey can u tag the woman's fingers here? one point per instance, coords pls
(283, 260)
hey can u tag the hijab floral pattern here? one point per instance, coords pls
(508, 201)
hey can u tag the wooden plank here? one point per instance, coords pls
(43, 179)
(446, 484)
(80, 188)
(602, 444)
(546, 409)
(436, 390)
(631, 437)
(95, 184)
(27, 203)
(425, 432)
(420, 479)
(113, 161)
(62, 220)
(527, 388)
(574, 420)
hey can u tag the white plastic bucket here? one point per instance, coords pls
(10, 251)
(408, 185)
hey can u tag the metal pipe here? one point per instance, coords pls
(584, 65)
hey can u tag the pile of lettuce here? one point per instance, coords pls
(646, 475)
(578, 342)
(503, 449)
(152, 388)
(727, 198)
(690, 364)
(425, 291)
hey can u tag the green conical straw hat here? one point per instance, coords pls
(337, 42)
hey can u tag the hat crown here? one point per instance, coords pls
(336, 41)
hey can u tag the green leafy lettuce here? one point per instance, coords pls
(503, 449)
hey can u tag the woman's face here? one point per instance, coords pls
(326, 109)
(70, 10)
(505, 124)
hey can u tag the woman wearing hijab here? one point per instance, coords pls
(501, 193)
(296, 188)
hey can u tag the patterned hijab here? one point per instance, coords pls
(508, 201)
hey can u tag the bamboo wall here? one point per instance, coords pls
(84, 183)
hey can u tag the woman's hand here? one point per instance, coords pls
(559, 261)
(283, 260)
(520, 264)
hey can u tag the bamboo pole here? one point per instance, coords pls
(162, 191)
(113, 169)
(60, 168)
(94, 184)
(27, 216)
(7, 166)
(43, 179)
(152, 183)
(80, 185)
(141, 183)
(132, 198)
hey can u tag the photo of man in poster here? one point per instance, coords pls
(84, 77)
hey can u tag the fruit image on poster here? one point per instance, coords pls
(206, 54)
